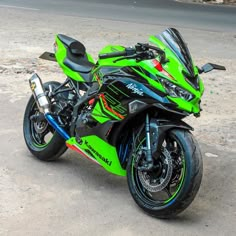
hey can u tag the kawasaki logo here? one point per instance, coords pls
(98, 154)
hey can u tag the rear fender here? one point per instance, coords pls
(48, 56)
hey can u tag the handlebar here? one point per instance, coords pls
(137, 51)
(127, 52)
(112, 54)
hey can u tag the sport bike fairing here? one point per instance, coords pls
(174, 41)
(125, 113)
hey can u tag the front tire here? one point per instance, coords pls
(41, 139)
(150, 191)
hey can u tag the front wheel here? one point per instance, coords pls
(173, 183)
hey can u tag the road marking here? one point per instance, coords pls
(23, 8)
(208, 154)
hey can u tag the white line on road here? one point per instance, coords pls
(23, 8)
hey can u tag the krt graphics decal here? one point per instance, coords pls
(98, 154)
(134, 89)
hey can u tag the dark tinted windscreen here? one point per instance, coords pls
(173, 39)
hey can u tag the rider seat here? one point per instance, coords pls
(76, 58)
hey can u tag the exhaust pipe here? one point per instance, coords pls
(39, 94)
(56, 126)
(44, 105)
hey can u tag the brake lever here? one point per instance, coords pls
(161, 52)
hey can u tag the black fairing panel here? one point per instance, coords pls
(172, 38)
(122, 86)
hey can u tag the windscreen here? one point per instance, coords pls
(173, 39)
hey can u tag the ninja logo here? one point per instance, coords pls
(134, 89)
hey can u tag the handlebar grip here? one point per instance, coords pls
(113, 54)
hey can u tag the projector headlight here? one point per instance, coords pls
(175, 91)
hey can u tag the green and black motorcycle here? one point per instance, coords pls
(125, 112)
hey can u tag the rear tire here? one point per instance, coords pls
(45, 150)
(188, 184)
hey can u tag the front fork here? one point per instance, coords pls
(148, 165)
(155, 135)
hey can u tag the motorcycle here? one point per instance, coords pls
(125, 112)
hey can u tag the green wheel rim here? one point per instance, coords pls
(181, 178)
(36, 142)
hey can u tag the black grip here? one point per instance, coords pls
(113, 54)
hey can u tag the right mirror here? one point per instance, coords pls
(210, 66)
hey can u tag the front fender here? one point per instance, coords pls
(158, 130)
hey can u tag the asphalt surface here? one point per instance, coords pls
(159, 12)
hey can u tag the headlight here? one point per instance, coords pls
(175, 91)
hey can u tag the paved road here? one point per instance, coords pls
(160, 12)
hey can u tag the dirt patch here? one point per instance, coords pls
(21, 46)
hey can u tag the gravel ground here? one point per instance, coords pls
(22, 41)
(44, 202)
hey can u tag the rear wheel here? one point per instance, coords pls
(172, 184)
(41, 139)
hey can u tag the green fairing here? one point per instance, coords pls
(174, 67)
(131, 63)
(103, 152)
(98, 115)
(107, 154)
(90, 58)
(154, 83)
(110, 113)
(134, 98)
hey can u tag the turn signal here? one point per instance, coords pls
(157, 65)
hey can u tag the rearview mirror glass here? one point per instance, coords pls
(210, 66)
